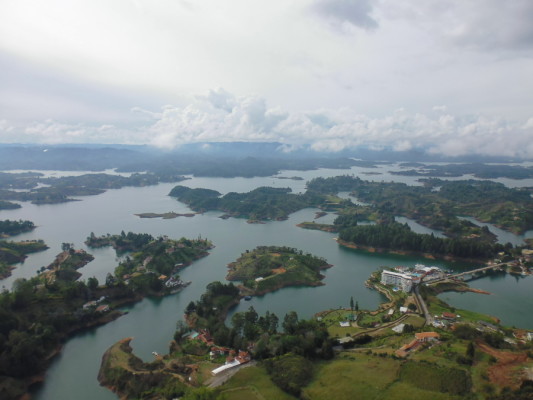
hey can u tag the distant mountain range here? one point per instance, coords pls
(190, 157)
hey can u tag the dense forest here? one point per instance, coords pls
(396, 236)
(269, 268)
(479, 170)
(11, 228)
(438, 203)
(40, 190)
(263, 203)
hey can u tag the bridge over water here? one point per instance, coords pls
(489, 267)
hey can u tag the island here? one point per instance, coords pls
(12, 228)
(37, 189)
(154, 263)
(269, 268)
(167, 215)
(438, 204)
(261, 204)
(479, 170)
(8, 205)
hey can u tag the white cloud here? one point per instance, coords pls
(356, 13)
(81, 66)
(250, 119)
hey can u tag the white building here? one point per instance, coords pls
(403, 281)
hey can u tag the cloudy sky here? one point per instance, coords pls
(454, 77)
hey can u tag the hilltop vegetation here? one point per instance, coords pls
(269, 268)
(479, 170)
(264, 203)
(399, 237)
(11, 228)
(438, 203)
(40, 190)
(8, 205)
(153, 261)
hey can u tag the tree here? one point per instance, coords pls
(191, 307)
(109, 279)
(351, 303)
(290, 322)
(92, 283)
(238, 321)
(356, 306)
(251, 315)
(471, 350)
(181, 329)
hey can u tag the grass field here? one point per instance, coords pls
(404, 391)
(253, 383)
(437, 307)
(359, 376)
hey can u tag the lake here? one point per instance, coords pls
(151, 322)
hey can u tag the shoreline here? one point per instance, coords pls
(429, 256)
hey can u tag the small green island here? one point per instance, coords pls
(152, 268)
(37, 189)
(269, 268)
(261, 204)
(12, 228)
(167, 215)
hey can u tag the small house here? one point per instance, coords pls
(426, 336)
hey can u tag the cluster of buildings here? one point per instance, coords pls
(233, 358)
(96, 305)
(420, 339)
(404, 278)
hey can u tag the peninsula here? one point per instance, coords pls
(44, 311)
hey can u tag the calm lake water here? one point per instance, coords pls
(151, 322)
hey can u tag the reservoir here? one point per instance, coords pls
(151, 322)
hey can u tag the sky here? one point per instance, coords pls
(449, 76)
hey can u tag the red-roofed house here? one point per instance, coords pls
(426, 336)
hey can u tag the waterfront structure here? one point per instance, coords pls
(402, 281)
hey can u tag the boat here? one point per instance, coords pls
(247, 298)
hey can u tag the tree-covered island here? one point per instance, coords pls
(438, 203)
(153, 265)
(269, 268)
(264, 203)
(12, 228)
(40, 190)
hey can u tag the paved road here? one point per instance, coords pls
(427, 315)
(224, 376)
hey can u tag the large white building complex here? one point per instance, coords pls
(402, 281)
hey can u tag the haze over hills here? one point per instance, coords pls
(271, 155)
